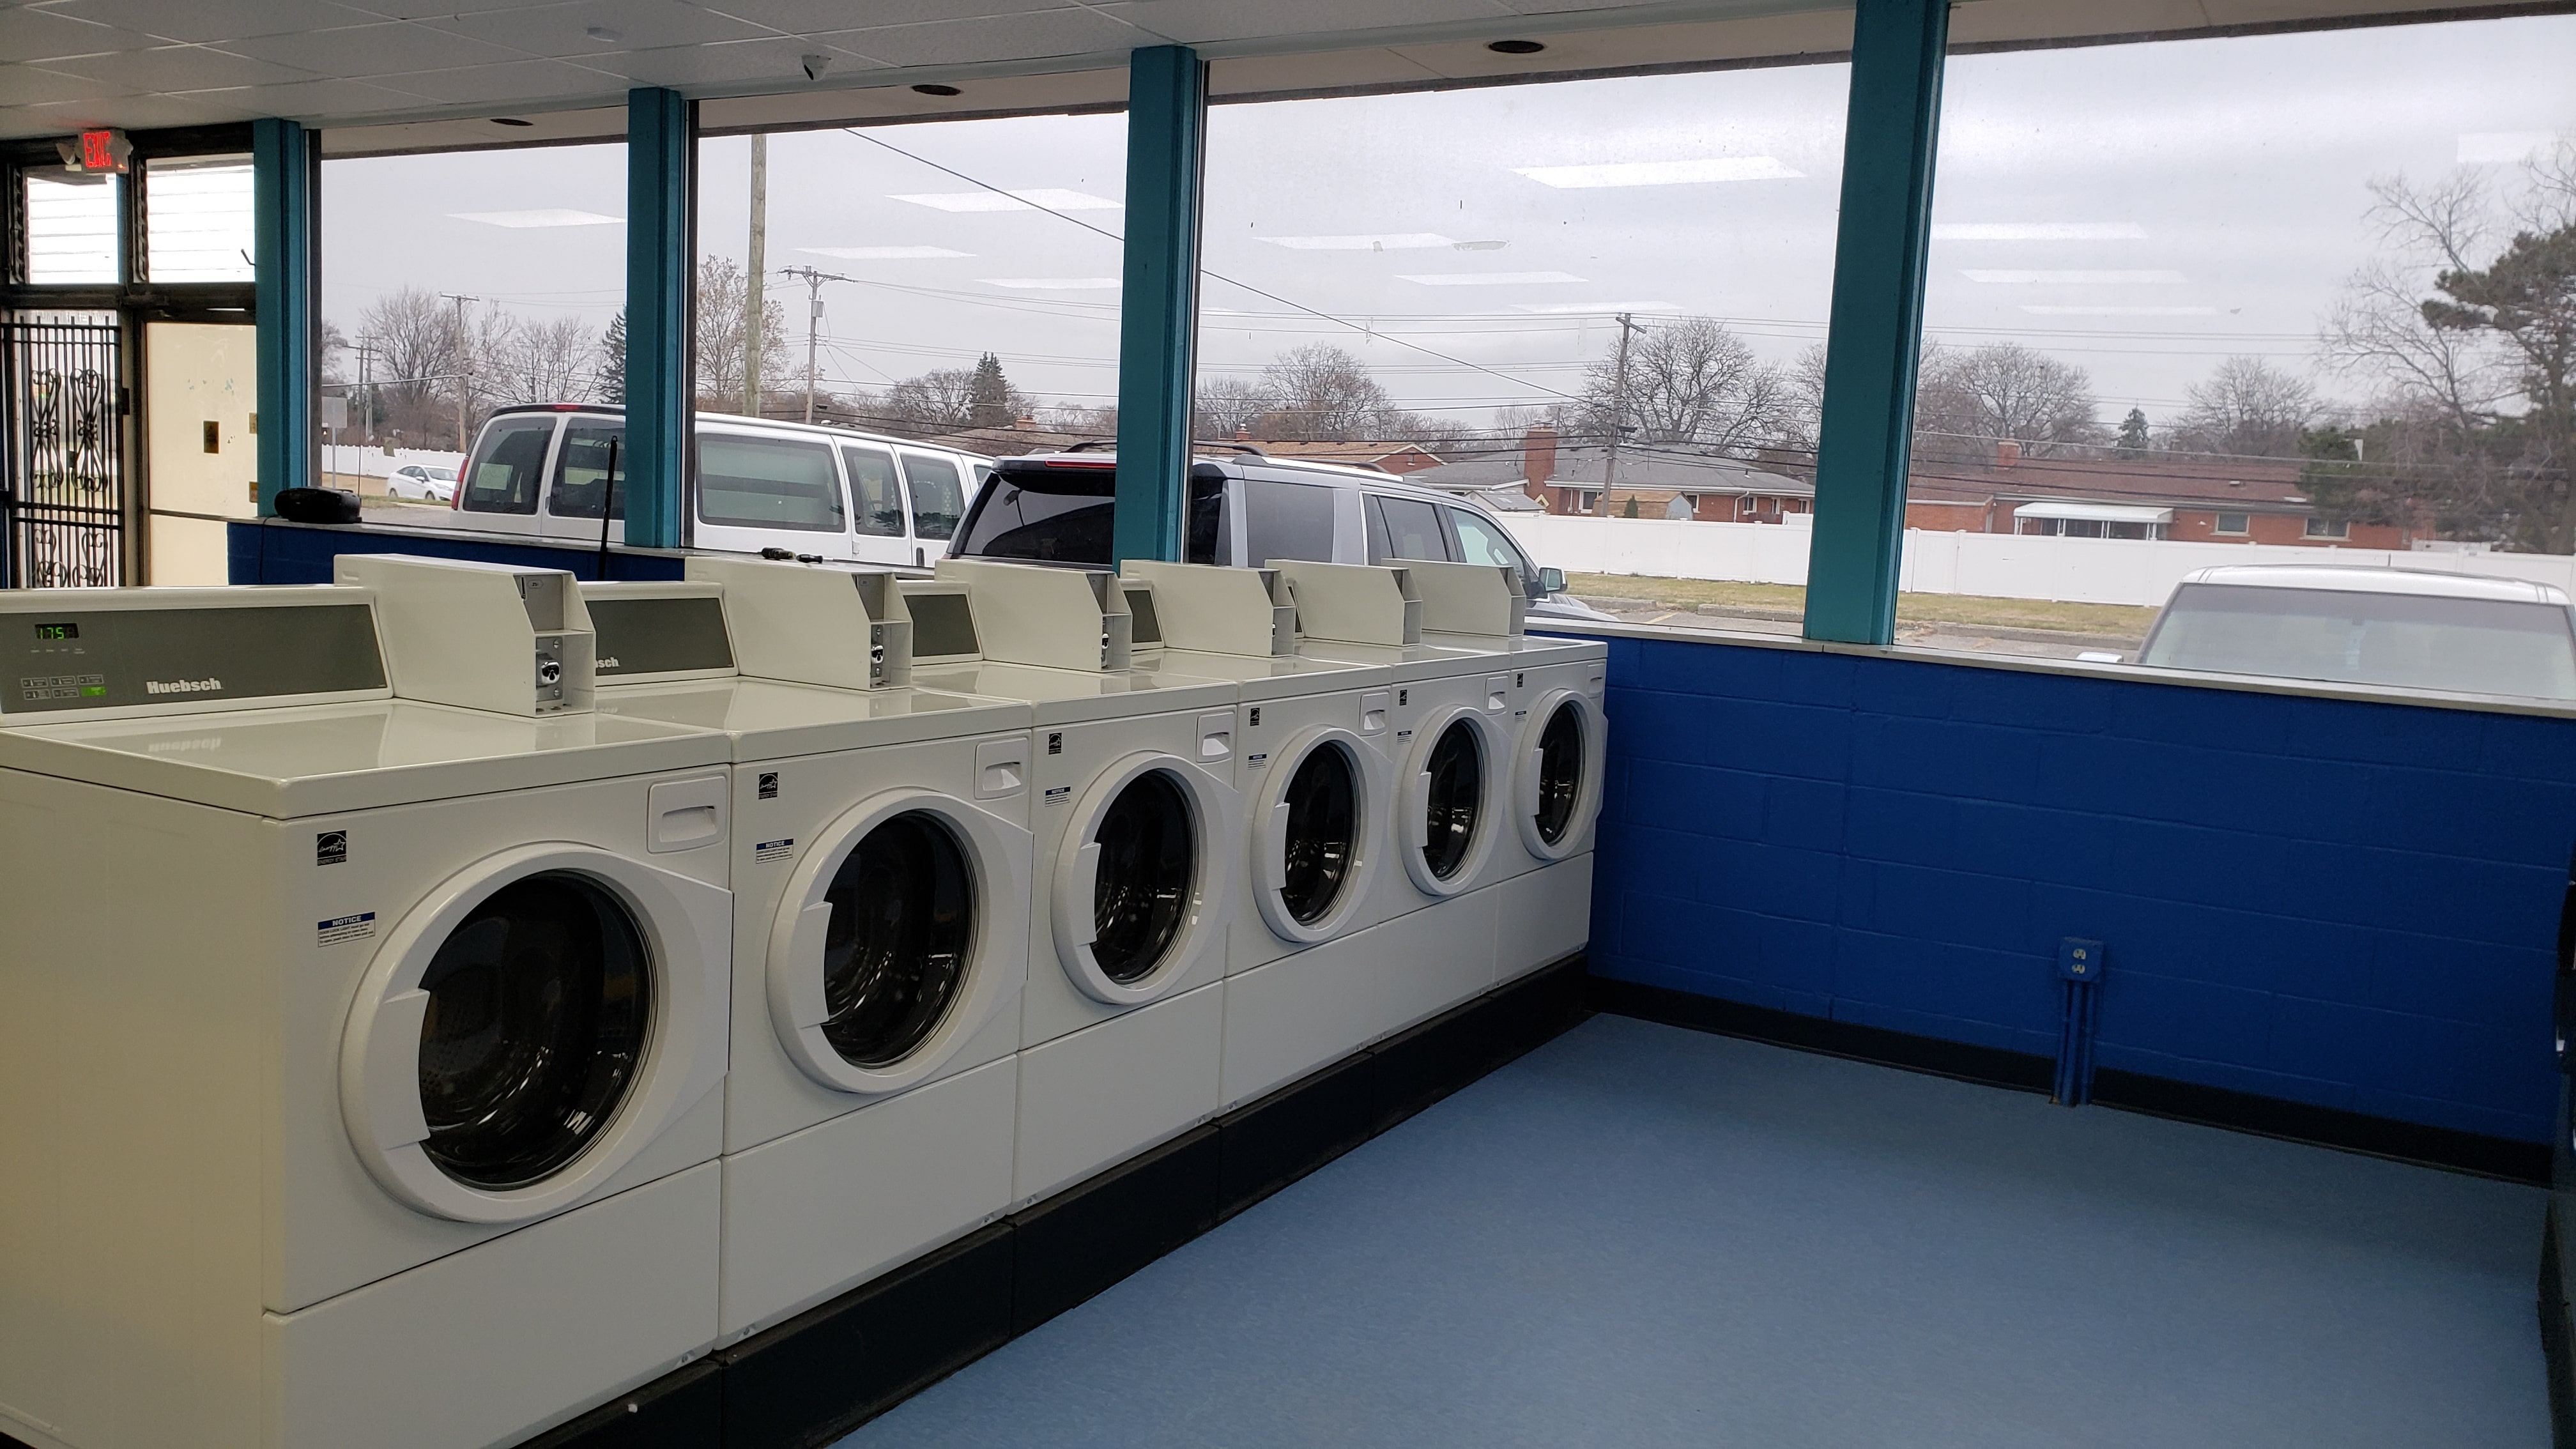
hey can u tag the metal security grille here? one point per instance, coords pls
(62, 468)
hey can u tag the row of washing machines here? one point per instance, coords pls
(435, 1004)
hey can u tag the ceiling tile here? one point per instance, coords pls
(319, 98)
(770, 61)
(215, 21)
(817, 17)
(136, 113)
(43, 33)
(358, 52)
(1194, 21)
(518, 85)
(1013, 37)
(180, 68)
(30, 85)
(561, 31)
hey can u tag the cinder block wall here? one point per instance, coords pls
(2343, 904)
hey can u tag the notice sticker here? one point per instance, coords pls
(344, 929)
(1256, 761)
(771, 851)
(1059, 794)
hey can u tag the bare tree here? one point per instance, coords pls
(1966, 401)
(1223, 406)
(1691, 382)
(2247, 407)
(413, 359)
(551, 361)
(1082, 420)
(940, 401)
(1319, 393)
(716, 350)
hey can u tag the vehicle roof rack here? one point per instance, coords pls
(1089, 445)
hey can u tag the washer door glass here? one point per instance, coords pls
(1457, 770)
(1560, 771)
(1323, 800)
(540, 1003)
(902, 932)
(1148, 853)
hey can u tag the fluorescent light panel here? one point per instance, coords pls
(543, 216)
(1051, 198)
(882, 254)
(1493, 279)
(2157, 277)
(1661, 173)
(2038, 231)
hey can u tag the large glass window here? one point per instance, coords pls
(1287, 521)
(747, 482)
(2253, 302)
(197, 220)
(1563, 299)
(955, 280)
(71, 225)
(453, 284)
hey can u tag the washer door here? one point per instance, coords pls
(899, 936)
(1314, 843)
(532, 1025)
(1557, 781)
(1139, 880)
(1452, 782)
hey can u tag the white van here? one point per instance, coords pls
(754, 484)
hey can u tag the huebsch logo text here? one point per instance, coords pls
(182, 686)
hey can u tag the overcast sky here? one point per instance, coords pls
(2142, 211)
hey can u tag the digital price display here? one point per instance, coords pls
(51, 632)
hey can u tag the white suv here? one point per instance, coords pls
(1248, 508)
(2411, 628)
(754, 484)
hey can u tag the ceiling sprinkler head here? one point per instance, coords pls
(1515, 47)
(935, 89)
(815, 65)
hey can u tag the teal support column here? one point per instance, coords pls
(283, 167)
(1877, 320)
(661, 166)
(1159, 300)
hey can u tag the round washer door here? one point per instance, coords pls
(1140, 878)
(1556, 786)
(530, 1026)
(900, 934)
(1451, 785)
(1315, 821)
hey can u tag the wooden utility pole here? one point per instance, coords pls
(464, 365)
(752, 307)
(1618, 416)
(813, 281)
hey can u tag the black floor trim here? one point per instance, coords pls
(2129, 1091)
(819, 1375)
(1993, 1066)
(2323, 1126)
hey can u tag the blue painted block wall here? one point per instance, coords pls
(2327, 901)
(273, 551)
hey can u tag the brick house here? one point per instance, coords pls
(1385, 456)
(2200, 499)
(1568, 479)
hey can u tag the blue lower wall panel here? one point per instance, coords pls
(274, 551)
(2345, 904)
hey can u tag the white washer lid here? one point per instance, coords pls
(1405, 663)
(769, 719)
(323, 759)
(1071, 696)
(1260, 677)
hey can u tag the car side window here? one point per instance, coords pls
(938, 495)
(504, 474)
(874, 495)
(581, 472)
(1287, 520)
(1210, 541)
(1481, 542)
(767, 483)
(1405, 528)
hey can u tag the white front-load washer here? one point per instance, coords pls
(880, 872)
(363, 1053)
(1136, 824)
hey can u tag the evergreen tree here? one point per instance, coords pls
(612, 360)
(2132, 442)
(1630, 511)
(990, 400)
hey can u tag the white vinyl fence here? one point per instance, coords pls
(1996, 565)
(353, 461)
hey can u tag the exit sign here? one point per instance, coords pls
(98, 151)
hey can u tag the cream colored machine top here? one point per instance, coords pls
(1354, 603)
(1215, 610)
(1055, 618)
(807, 622)
(478, 635)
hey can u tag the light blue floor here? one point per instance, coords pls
(1641, 1235)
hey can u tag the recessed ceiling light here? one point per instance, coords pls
(937, 90)
(1515, 47)
(604, 35)
(510, 121)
